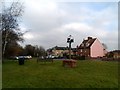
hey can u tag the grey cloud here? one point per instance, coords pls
(48, 31)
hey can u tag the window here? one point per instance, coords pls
(82, 45)
(81, 50)
(87, 44)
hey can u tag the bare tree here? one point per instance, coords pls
(10, 24)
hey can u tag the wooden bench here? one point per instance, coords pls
(69, 63)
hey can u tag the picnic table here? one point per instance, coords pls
(69, 63)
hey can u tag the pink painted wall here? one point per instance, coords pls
(96, 50)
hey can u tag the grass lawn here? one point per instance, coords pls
(87, 74)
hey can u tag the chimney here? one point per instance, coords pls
(89, 38)
(77, 46)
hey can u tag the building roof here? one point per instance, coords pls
(60, 48)
(115, 51)
(87, 43)
(74, 49)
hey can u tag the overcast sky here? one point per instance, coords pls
(50, 22)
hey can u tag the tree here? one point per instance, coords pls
(10, 25)
(41, 51)
(13, 49)
(34, 50)
(29, 50)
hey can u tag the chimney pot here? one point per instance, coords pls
(89, 38)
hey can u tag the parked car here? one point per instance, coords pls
(13, 57)
(50, 56)
(25, 57)
(18, 57)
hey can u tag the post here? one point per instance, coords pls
(69, 50)
(70, 40)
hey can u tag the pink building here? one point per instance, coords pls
(91, 47)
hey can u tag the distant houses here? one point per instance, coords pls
(58, 51)
(61, 51)
(90, 47)
(114, 54)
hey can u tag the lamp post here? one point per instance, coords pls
(70, 40)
